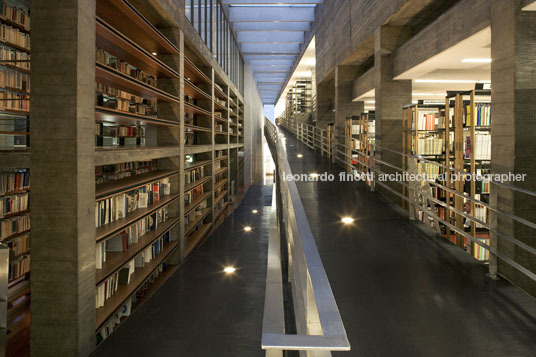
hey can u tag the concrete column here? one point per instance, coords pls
(344, 107)
(174, 135)
(63, 178)
(391, 96)
(513, 78)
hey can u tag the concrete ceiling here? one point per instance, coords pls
(456, 69)
(270, 33)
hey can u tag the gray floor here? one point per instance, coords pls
(400, 291)
(403, 292)
(199, 311)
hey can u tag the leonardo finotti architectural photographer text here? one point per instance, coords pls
(405, 177)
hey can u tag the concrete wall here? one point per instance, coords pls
(253, 128)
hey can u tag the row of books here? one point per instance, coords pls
(119, 130)
(110, 97)
(14, 203)
(19, 266)
(14, 225)
(126, 308)
(119, 206)
(430, 146)
(219, 177)
(14, 101)
(13, 57)
(431, 171)
(131, 235)
(484, 184)
(483, 114)
(221, 102)
(193, 194)
(14, 181)
(124, 67)
(194, 175)
(429, 121)
(481, 213)
(479, 252)
(115, 172)
(218, 127)
(14, 80)
(196, 213)
(20, 245)
(11, 35)
(15, 14)
(481, 147)
(122, 277)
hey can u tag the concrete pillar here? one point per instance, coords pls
(513, 78)
(391, 96)
(344, 107)
(63, 178)
(174, 135)
(324, 108)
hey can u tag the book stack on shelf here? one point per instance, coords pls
(15, 233)
(14, 76)
(221, 187)
(137, 202)
(457, 136)
(222, 113)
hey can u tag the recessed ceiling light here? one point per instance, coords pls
(476, 60)
(347, 220)
(254, 211)
(229, 270)
(299, 156)
(247, 229)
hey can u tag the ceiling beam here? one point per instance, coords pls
(270, 26)
(264, 2)
(271, 13)
(270, 36)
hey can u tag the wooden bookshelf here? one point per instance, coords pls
(116, 260)
(111, 188)
(193, 240)
(122, 223)
(103, 114)
(137, 279)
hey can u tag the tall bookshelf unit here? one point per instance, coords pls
(456, 136)
(14, 167)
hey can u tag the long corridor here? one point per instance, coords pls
(200, 311)
(401, 290)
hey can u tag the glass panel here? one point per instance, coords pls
(188, 10)
(209, 24)
(195, 14)
(202, 21)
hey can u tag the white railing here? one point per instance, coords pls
(319, 326)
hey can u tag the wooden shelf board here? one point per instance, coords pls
(15, 235)
(192, 185)
(219, 198)
(196, 202)
(114, 42)
(220, 184)
(218, 105)
(115, 260)
(198, 128)
(194, 109)
(7, 215)
(103, 114)
(113, 155)
(220, 94)
(20, 48)
(136, 280)
(196, 164)
(117, 79)
(16, 68)
(107, 189)
(195, 238)
(127, 19)
(194, 91)
(194, 74)
(115, 227)
(190, 226)
(221, 157)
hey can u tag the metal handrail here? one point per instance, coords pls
(344, 158)
(318, 322)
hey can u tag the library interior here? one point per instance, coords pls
(267, 178)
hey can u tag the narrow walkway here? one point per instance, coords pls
(200, 311)
(401, 291)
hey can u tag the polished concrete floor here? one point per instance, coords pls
(200, 311)
(401, 290)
